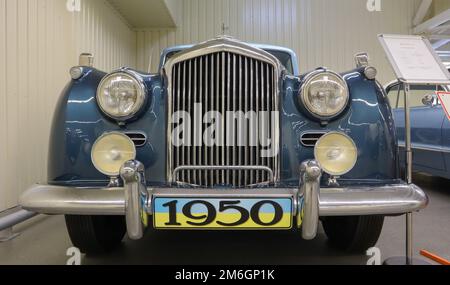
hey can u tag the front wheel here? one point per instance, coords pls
(96, 234)
(354, 234)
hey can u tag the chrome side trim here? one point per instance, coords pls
(426, 148)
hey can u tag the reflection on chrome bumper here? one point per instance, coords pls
(309, 200)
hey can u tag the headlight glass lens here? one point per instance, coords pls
(120, 95)
(111, 151)
(336, 153)
(325, 94)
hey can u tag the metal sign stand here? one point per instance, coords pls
(409, 258)
(414, 62)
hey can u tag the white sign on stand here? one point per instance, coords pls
(414, 62)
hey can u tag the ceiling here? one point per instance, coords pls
(433, 21)
(146, 13)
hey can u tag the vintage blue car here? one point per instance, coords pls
(226, 136)
(430, 128)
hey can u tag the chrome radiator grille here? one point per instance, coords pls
(224, 82)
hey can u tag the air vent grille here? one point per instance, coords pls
(310, 139)
(139, 139)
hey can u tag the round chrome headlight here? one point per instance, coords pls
(324, 94)
(336, 153)
(121, 95)
(111, 151)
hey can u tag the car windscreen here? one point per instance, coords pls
(284, 57)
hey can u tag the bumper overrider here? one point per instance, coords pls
(310, 202)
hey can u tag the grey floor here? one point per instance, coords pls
(44, 240)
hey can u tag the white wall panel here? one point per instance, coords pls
(322, 32)
(39, 41)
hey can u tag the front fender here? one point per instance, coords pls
(368, 120)
(78, 122)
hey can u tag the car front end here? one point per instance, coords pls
(224, 138)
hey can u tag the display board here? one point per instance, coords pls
(414, 60)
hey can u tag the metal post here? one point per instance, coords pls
(408, 148)
(408, 259)
(409, 163)
(409, 239)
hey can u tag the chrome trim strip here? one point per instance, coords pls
(425, 148)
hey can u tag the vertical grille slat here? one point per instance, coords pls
(246, 109)
(194, 154)
(201, 160)
(222, 108)
(257, 108)
(189, 103)
(177, 105)
(224, 82)
(234, 149)
(211, 106)
(252, 99)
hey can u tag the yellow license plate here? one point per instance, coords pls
(216, 213)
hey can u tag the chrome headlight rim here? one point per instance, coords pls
(102, 137)
(138, 80)
(337, 174)
(303, 100)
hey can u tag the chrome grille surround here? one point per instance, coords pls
(222, 167)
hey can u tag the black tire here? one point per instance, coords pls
(96, 234)
(353, 234)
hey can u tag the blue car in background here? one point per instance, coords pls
(430, 128)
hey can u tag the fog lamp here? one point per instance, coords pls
(111, 151)
(336, 153)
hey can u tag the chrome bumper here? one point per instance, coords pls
(310, 202)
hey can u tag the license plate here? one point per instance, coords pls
(216, 213)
